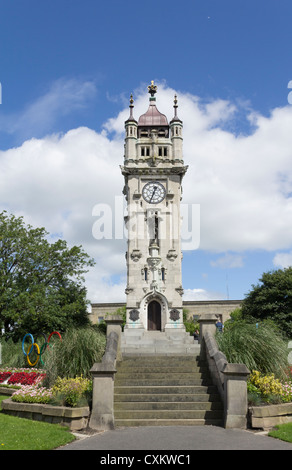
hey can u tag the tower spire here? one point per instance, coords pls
(175, 106)
(152, 89)
(131, 106)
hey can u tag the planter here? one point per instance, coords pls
(7, 390)
(74, 418)
(266, 417)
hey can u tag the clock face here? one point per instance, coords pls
(153, 192)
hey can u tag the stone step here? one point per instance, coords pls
(184, 389)
(167, 422)
(142, 350)
(161, 371)
(166, 382)
(164, 359)
(169, 405)
(168, 414)
(142, 342)
(165, 390)
(166, 397)
(142, 375)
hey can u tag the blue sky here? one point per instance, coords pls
(67, 68)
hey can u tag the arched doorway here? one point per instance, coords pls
(154, 315)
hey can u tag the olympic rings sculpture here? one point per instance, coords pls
(35, 347)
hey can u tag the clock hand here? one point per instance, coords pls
(155, 187)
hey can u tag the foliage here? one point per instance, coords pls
(40, 282)
(69, 392)
(12, 355)
(260, 347)
(272, 299)
(189, 324)
(269, 389)
(75, 355)
(21, 376)
(120, 311)
(234, 316)
(32, 394)
(25, 378)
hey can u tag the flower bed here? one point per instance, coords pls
(19, 377)
(267, 389)
(32, 394)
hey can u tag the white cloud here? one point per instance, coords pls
(242, 183)
(201, 294)
(229, 260)
(39, 117)
(283, 260)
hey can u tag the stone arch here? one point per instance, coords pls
(161, 299)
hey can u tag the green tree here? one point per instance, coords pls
(271, 299)
(41, 283)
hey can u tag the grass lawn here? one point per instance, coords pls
(283, 432)
(26, 434)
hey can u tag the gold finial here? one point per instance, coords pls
(152, 89)
(131, 99)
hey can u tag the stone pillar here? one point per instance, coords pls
(102, 415)
(235, 388)
(103, 375)
(207, 323)
(114, 324)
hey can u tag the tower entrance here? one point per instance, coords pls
(154, 316)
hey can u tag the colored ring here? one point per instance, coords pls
(42, 350)
(38, 354)
(41, 334)
(54, 333)
(32, 340)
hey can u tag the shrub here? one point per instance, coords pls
(268, 388)
(267, 385)
(32, 394)
(259, 347)
(75, 355)
(12, 355)
(70, 391)
(25, 378)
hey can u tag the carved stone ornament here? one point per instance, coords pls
(174, 314)
(136, 255)
(180, 290)
(134, 315)
(171, 255)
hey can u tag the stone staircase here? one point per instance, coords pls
(165, 390)
(141, 342)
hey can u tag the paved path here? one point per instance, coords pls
(173, 438)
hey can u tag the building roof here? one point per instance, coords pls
(152, 117)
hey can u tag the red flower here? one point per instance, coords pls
(4, 376)
(25, 378)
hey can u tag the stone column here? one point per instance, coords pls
(114, 324)
(207, 323)
(102, 415)
(235, 388)
(103, 375)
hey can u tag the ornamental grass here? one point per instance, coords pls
(260, 347)
(75, 355)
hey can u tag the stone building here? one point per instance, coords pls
(153, 171)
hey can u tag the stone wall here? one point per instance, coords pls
(223, 308)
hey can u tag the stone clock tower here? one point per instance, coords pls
(153, 170)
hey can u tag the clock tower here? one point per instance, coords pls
(153, 170)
